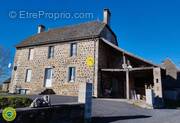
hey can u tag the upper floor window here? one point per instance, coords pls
(31, 54)
(73, 49)
(71, 74)
(51, 52)
(28, 75)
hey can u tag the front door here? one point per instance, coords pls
(48, 77)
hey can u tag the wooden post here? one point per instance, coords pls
(127, 76)
(127, 84)
(124, 65)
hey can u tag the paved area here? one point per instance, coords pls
(114, 111)
(117, 111)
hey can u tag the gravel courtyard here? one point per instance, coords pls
(116, 111)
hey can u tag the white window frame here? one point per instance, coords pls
(73, 49)
(28, 75)
(31, 54)
(50, 52)
(71, 74)
(23, 91)
(46, 75)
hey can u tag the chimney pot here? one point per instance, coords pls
(41, 28)
(107, 16)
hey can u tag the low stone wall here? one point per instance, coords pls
(63, 113)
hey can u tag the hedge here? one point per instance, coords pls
(14, 101)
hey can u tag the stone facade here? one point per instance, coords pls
(172, 76)
(60, 64)
(171, 69)
(5, 87)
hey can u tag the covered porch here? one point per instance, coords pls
(129, 82)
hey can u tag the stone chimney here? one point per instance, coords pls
(41, 28)
(107, 16)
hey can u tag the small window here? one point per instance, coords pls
(31, 54)
(24, 91)
(73, 49)
(28, 75)
(51, 52)
(71, 74)
(157, 80)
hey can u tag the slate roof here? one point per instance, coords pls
(67, 33)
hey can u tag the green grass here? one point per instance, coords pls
(14, 101)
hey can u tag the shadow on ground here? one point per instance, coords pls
(110, 119)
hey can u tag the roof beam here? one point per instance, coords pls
(130, 69)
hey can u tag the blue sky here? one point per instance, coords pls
(147, 28)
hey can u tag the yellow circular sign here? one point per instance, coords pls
(89, 61)
(9, 114)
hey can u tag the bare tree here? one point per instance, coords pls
(4, 61)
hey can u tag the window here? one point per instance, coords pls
(23, 91)
(71, 74)
(157, 80)
(48, 73)
(51, 52)
(28, 75)
(73, 49)
(31, 54)
(48, 77)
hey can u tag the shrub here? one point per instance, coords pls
(14, 101)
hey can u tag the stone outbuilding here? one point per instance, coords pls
(5, 85)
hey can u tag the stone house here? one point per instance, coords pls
(5, 85)
(171, 80)
(57, 59)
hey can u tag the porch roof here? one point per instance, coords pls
(130, 54)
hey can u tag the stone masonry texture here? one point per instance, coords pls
(60, 64)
